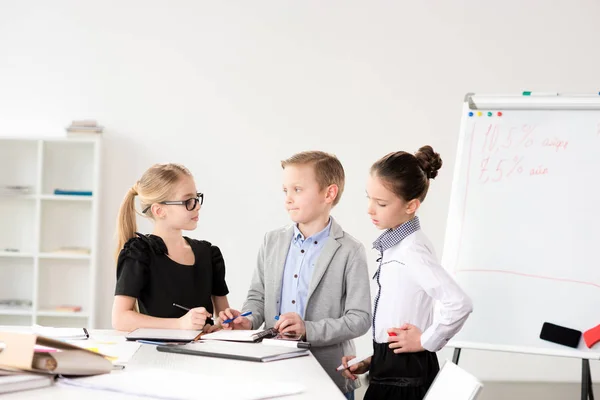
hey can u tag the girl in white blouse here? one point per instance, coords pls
(408, 282)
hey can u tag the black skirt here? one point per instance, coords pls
(405, 376)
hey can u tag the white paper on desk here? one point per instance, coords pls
(175, 385)
(117, 349)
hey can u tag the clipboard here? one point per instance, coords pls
(235, 351)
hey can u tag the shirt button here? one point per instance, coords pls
(293, 301)
(301, 251)
(295, 275)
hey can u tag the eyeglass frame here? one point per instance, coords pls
(199, 199)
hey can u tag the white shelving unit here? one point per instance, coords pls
(34, 227)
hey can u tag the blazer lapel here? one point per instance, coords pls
(324, 259)
(278, 263)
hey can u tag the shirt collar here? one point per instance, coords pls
(317, 237)
(392, 237)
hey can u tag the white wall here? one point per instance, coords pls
(229, 89)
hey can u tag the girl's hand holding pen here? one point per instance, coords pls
(194, 319)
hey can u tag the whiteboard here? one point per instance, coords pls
(523, 232)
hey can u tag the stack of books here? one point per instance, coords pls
(87, 126)
(15, 190)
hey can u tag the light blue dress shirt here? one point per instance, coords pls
(299, 266)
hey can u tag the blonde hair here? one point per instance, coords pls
(155, 185)
(328, 169)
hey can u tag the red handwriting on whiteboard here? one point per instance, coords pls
(527, 139)
(540, 170)
(556, 143)
(483, 176)
(499, 137)
(499, 170)
(491, 136)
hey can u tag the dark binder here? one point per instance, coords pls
(236, 351)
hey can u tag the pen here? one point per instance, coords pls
(534, 94)
(208, 320)
(182, 307)
(227, 321)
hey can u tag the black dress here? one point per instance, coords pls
(145, 272)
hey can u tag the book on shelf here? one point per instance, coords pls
(85, 126)
(70, 192)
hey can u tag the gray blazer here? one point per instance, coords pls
(338, 306)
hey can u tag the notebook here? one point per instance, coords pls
(15, 382)
(241, 335)
(163, 335)
(181, 385)
(236, 351)
(61, 333)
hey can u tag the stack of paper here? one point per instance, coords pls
(15, 382)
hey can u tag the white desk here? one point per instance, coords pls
(304, 370)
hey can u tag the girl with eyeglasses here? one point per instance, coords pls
(177, 282)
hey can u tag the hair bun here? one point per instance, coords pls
(429, 160)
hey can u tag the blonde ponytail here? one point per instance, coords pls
(126, 221)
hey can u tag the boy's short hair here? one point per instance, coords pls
(328, 169)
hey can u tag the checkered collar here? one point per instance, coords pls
(392, 237)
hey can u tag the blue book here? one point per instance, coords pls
(72, 192)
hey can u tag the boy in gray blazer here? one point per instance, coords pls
(311, 275)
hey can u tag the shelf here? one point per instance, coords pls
(11, 254)
(46, 256)
(64, 256)
(48, 228)
(6, 197)
(55, 197)
(51, 197)
(74, 138)
(16, 311)
(62, 314)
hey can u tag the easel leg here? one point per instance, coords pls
(456, 355)
(587, 392)
(590, 389)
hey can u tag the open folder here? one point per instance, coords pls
(19, 353)
(240, 335)
(236, 351)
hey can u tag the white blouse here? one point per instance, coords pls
(407, 285)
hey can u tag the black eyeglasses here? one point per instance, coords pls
(190, 204)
